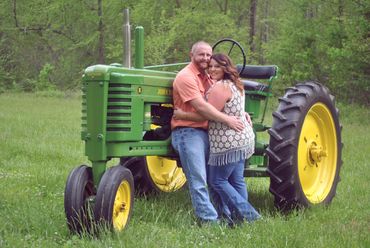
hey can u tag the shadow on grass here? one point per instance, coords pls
(174, 208)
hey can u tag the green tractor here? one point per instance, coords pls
(126, 113)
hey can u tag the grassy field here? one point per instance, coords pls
(40, 144)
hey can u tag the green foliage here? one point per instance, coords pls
(194, 27)
(324, 41)
(308, 39)
(4, 78)
(44, 82)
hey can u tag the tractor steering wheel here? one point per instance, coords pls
(233, 43)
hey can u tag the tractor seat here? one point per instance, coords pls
(257, 72)
(254, 86)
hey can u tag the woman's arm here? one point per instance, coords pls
(219, 95)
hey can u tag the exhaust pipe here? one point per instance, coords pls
(126, 39)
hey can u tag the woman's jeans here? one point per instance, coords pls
(193, 148)
(228, 181)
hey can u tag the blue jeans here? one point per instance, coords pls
(228, 182)
(193, 148)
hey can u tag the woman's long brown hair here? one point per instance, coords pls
(230, 70)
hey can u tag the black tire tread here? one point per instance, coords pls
(106, 193)
(142, 181)
(77, 211)
(284, 135)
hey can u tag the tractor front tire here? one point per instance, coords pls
(78, 191)
(305, 147)
(114, 199)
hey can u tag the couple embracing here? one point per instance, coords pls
(213, 136)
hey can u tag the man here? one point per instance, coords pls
(189, 138)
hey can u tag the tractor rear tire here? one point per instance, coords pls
(114, 199)
(305, 147)
(78, 191)
(154, 174)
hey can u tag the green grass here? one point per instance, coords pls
(40, 144)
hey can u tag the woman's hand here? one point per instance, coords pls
(235, 123)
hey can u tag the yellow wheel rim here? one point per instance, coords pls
(317, 153)
(165, 173)
(122, 206)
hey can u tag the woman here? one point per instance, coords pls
(228, 148)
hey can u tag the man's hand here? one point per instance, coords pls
(178, 114)
(235, 123)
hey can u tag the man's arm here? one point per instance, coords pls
(211, 113)
(179, 114)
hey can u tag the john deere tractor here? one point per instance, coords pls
(126, 113)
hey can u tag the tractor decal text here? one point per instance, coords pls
(164, 92)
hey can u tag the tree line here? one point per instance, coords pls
(46, 45)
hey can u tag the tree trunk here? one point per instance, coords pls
(178, 3)
(252, 25)
(264, 31)
(223, 5)
(101, 59)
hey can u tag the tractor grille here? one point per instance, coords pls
(119, 107)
